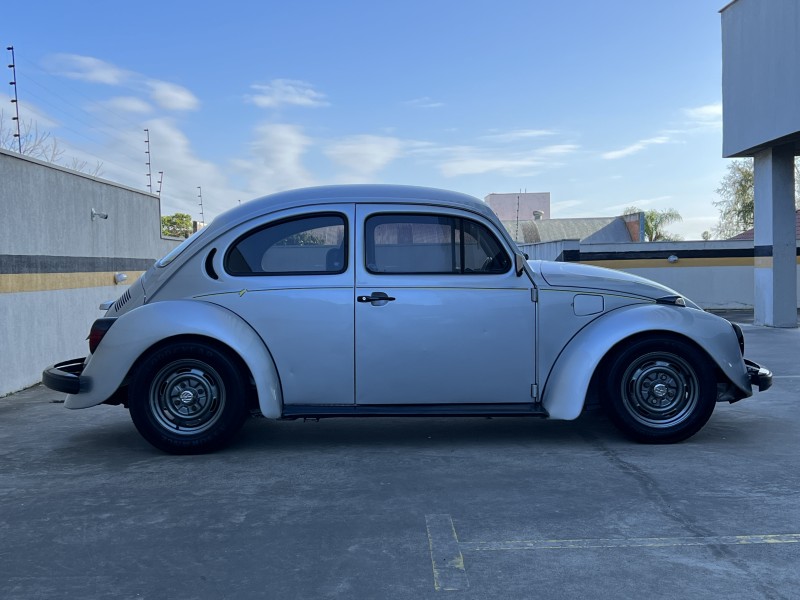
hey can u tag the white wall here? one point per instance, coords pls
(57, 264)
(760, 73)
(717, 274)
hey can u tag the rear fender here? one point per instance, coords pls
(136, 331)
(565, 390)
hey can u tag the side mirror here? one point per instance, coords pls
(519, 263)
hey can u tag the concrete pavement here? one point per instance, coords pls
(407, 508)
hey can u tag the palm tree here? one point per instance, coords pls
(655, 223)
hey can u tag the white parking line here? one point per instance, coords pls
(448, 563)
(449, 572)
(719, 540)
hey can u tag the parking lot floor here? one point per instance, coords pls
(406, 508)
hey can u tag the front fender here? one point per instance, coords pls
(136, 331)
(565, 390)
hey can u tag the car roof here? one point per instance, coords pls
(357, 193)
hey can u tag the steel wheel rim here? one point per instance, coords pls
(660, 390)
(187, 397)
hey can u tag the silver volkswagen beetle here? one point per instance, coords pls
(382, 300)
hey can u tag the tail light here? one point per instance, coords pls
(99, 329)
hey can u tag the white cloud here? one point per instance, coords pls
(707, 114)
(518, 134)
(424, 102)
(641, 203)
(87, 68)
(471, 164)
(634, 148)
(364, 155)
(172, 96)
(276, 159)
(470, 160)
(558, 149)
(128, 104)
(565, 205)
(280, 92)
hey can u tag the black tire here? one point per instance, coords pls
(188, 398)
(660, 390)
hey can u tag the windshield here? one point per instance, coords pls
(175, 252)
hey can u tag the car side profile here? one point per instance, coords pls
(383, 300)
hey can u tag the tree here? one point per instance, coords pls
(31, 141)
(177, 225)
(736, 205)
(655, 223)
(41, 145)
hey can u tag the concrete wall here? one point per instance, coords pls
(760, 74)
(713, 274)
(57, 264)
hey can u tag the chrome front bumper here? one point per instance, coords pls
(759, 376)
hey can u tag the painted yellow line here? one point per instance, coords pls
(720, 540)
(11, 283)
(763, 262)
(449, 573)
(662, 263)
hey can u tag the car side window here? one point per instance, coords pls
(299, 246)
(431, 244)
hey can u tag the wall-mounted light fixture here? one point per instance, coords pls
(98, 215)
(120, 278)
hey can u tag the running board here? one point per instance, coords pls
(317, 411)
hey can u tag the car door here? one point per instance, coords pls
(292, 279)
(441, 316)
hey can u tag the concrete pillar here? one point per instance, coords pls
(775, 244)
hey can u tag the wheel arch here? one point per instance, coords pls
(578, 367)
(241, 364)
(152, 325)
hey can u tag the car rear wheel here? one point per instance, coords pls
(660, 390)
(188, 398)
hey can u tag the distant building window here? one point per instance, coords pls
(300, 246)
(432, 244)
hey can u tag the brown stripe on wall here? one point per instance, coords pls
(11, 283)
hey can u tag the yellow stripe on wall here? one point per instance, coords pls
(11, 283)
(657, 263)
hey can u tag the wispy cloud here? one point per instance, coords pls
(172, 96)
(471, 160)
(86, 68)
(517, 135)
(634, 148)
(424, 102)
(286, 92)
(708, 113)
(640, 203)
(565, 205)
(362, 156)
(126, 104)
(275, 159)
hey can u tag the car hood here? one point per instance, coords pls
(572, 275)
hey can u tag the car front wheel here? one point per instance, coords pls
(660, 390)
(188, 398)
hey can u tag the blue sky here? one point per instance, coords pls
(604, 104)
